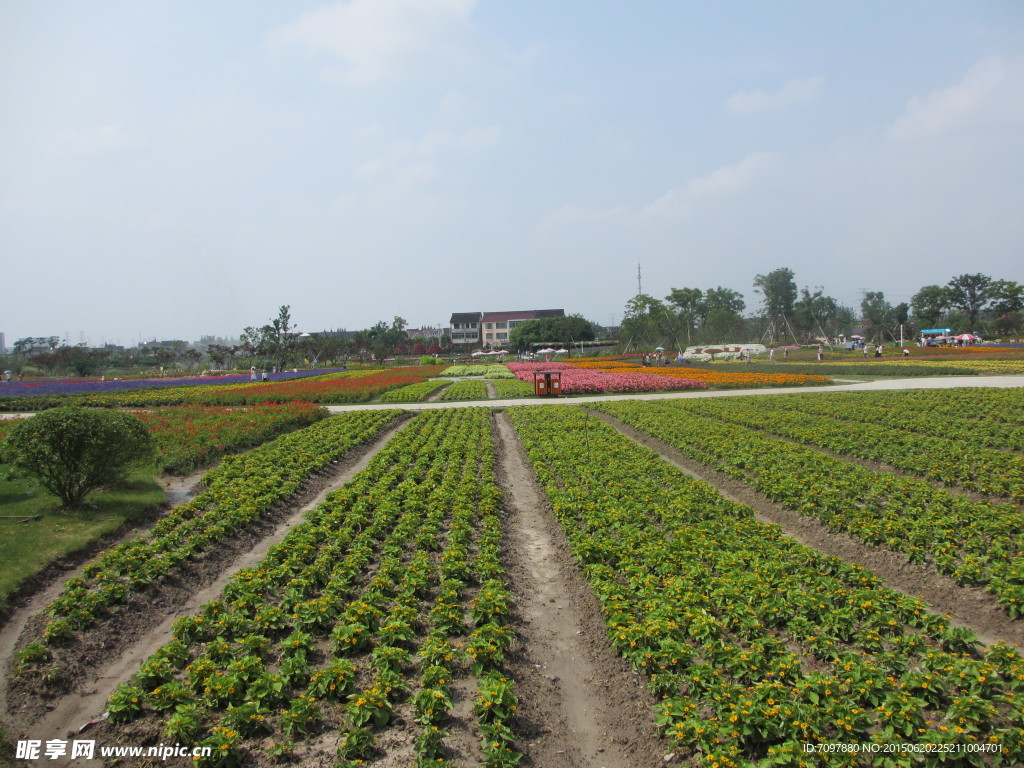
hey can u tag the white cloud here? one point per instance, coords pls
(676, 203)
(948, 108)
(663, 205)
(733, 178)
(792, 92)
(378, 39)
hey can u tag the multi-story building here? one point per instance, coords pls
(492, 329)
(465, 328)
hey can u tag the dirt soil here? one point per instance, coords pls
(107, 655)
(580, 704)
(970, 607)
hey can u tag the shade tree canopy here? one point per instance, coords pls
(564, 331)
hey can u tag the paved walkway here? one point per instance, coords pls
(937, 382)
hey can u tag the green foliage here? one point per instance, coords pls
(550, 330)
(431, 360)
(76, 450)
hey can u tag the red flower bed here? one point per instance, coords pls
(579, 381)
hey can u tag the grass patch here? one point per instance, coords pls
(27, 548)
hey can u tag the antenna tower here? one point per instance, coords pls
(639, 286)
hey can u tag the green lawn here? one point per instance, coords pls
(26, 548)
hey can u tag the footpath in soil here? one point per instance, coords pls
(581, 705)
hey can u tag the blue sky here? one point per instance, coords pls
(169, 170)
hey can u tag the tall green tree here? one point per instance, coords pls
(929, 305)
(879, 315)
(814, 313)
(276, 342)
(970, 294)
(778, 293)
(648, 321)
(385, 339)
(689, 307)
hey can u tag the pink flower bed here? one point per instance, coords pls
(578, 381)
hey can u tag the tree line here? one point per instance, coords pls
(692, 316)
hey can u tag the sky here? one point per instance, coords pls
(170, 170)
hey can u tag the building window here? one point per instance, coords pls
(490, 325)
(502, 336)
(501, 325)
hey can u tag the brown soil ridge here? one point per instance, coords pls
(580, 703)
(108, 654)
(970, 607)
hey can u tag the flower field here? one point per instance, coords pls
(733, 378)
(580, 381)
(755, 644)
(238, 492)
(483, 370)
(975, 542)
(56, 387)
(512, 388)
(842, 426)
(376, 610)
(346, 387)
(413, 393)
(191, 436)
(392, 626)
(465, 390)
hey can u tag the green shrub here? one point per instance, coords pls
(75, 450)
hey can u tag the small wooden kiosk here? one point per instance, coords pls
(547, 383)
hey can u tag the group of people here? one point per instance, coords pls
(660, 359)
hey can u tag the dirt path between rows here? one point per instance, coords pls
(580, 704)
(966, 606)
(30, 716)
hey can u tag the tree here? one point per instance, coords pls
(564, 331)
(34, 344)
(383, 339)
(219, 354)
(778, 291)
(814, 313)
(75, 450)
(930, 304)
(970, 294)
(1007, 299)
(879, 315)
(648, 320)
(275, 342)
(690, 307)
